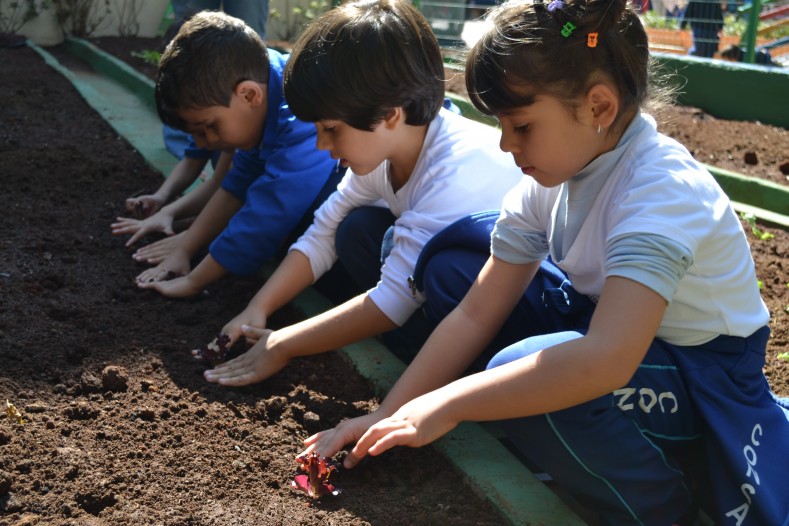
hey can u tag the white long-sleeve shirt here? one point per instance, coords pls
(460, 170)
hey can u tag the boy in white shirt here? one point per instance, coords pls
(412, 166)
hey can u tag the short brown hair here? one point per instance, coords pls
(205, 61)
(357, 61)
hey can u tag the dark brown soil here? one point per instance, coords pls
(120, 427)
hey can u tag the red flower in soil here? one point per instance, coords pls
(217, 350)
(319, 471)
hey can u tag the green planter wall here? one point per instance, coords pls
(730, 90)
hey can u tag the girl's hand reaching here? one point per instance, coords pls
(329, 442)
(417, 423)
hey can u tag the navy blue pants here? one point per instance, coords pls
(364, 240)
(696, 427)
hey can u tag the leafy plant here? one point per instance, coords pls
(13, 413)
(15, 13)
(317, 477)
(751, 220)
(150, 56)
(81, 18)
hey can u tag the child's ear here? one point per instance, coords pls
(394, 117)
(250, 92)
(604, 103)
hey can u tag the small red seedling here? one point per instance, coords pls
(317, 480)
(217, 350)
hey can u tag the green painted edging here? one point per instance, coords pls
(490, 469)
(104, 63)
(759, 194)
(730, 90)
(113, 101)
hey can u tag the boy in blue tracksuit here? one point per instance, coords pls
(218, 82)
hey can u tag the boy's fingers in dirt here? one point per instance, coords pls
(139, 234)
(252, 334)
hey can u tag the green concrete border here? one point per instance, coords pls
(488, 468)
(106, 64)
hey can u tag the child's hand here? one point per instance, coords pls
(415, 424)
(249, 324)
(176, 264)
(255, 365)
(144, 206)
(329, 442)
(180, 287)
(158, 222)
(160, 250)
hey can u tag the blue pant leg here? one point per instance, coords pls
(747, 429)
(253, 12)
(604, 452)
(358, 243)
(448, 277)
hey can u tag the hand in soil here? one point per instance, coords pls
(143, 206)
(416, 424)
(216, 351)
(250, 324)
(316, 480)
(329, 442)
(160, 250)
(255, 365)
(158, 222)
(172, 286)
(176, 264)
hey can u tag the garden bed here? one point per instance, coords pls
(119, 425)
(170, 448)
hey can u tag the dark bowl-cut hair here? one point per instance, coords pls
(205, 61)
(357, 61)
(526, 54)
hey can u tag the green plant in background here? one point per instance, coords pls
(784, 356)
(150, 56)
(733, 25)
(751, 220)
(293, 18)
(654, 20)
(16, 13)
(80, 18)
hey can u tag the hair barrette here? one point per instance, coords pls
(591, 39)
(554, 5)
(568, 29)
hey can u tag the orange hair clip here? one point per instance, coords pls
(591, 40)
